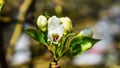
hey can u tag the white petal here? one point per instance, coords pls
(55, 27)
(60, 31)
(53, 22)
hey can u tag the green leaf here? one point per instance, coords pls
(32, 33)
(79, 45)
(87, 43)
(42, 37)
(65, 41)
(37, 35)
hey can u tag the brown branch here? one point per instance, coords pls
(53, 64)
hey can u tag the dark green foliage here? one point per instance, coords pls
(70, 45)
(79, 45)
(37, 35)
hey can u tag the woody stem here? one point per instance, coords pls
(54, 64)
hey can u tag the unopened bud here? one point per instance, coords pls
(42, 22)
(67, 24)
(86, 33)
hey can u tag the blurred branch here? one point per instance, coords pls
(21, 18)
(23, 9)
(1, 4)
(15, 36)
(18, 28)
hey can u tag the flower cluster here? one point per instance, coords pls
(57, 36)
(56, 27)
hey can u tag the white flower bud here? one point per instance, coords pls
(86, 33)
(42, 22)
(67, 24)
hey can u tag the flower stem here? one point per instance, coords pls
(54, 64)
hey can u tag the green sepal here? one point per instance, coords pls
(62, 47)
(47, 15)
(79, 45)
(37, 35)
(65, 42)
